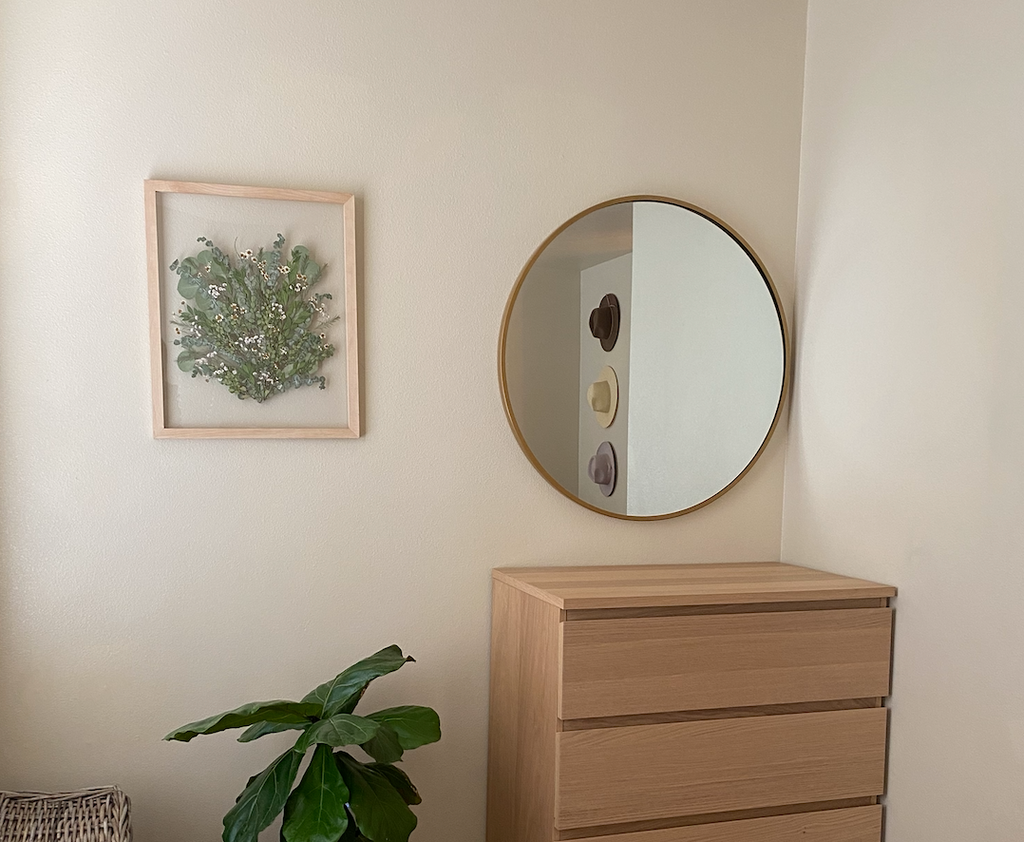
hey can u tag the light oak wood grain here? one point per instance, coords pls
(156, 314)
(255, 433)
(523, 716)
(647, 665)
(857, 824)
(281, 194)
(641, 586)
(616, 775)
(647, 644)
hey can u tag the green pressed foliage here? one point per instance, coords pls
(338, 798)
(252, 325)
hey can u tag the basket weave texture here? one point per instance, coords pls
(88, 815)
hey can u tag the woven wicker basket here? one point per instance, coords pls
(89, 815)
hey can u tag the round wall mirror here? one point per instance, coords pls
(643, 358)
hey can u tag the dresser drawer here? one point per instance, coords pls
(608, 776)
(856, 824)
(617, 667)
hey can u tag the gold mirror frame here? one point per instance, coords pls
(503, 339)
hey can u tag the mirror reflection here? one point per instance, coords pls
(643, 358)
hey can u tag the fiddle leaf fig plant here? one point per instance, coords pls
(339, 798)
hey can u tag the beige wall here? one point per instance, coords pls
(906, 452)
(144, 583)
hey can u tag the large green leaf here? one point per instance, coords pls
(262, 799)
(201, 301)
(312, 271)
(279, 710)
(399, 780)
(186, 360)
(315, 812)
(188, 286)
(261, 729)
(219, 270)
(342, 729)
(342, 693)
(415, 725)
(352, 834)
(384, 747)
(248, 784)
(378, 809)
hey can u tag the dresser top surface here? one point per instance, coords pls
(654, 585)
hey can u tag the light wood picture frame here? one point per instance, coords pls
(237, 217)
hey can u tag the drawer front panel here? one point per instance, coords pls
(858, 824)
(614, 775)
(659, 664)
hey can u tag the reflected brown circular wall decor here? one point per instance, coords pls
(701, 355)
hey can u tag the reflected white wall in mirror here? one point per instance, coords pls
(700, 359)
(707, 358)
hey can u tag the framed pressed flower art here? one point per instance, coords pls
(253, 313)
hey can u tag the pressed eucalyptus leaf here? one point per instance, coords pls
(186, 361)
(342, 729)
(315, 811)
(415, 725)
(262, 799)
(384, 747)
(261, 729)
(399, 780)
(379, 811)
(342, 693)
(187, 287)
(279, 710)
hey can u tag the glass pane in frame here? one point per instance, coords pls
(239, 220)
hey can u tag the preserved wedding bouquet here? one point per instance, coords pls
(253, 325)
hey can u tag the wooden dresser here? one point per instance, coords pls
(687, 703)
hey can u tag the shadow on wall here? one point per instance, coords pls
(7, 682)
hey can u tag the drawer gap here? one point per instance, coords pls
(592, 723)
(712, 818)
(700, 610)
